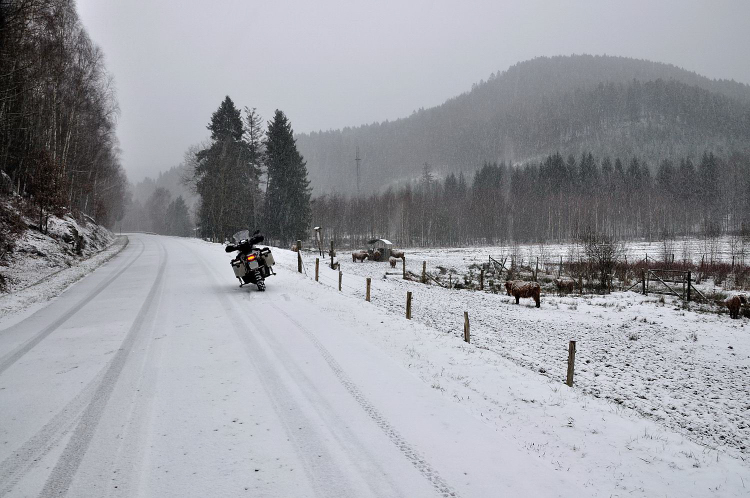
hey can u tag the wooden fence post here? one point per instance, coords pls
(368, 289)
(317, 268)
(424, 272)
(408, 305)
(331, 254)
(688, 285)
(340, 280)
(643, 282)
(299, 260)
(571, 362)
(403, 266)
(481, 279)
(467, 333)
(450, 281)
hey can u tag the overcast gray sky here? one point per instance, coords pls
(331, 64)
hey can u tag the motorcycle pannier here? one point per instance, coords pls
(239, 268)
(267, 256)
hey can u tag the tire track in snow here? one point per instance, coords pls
(419, 462)
(8, 360)
(364, 459)
(67, 465)
(64, 471)
(291, 418)
(14, 467)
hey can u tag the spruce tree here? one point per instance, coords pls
(288, 210)
(226, 176)
(256, 158)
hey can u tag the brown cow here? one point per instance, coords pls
(392, 261)
(360, 256)
(734, 304)
(376, 255)
(519, 289)
(565, 285)
(294, 248)
(397, 254)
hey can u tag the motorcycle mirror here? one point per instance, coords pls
(229, 248)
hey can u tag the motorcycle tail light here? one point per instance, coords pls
(251, 257)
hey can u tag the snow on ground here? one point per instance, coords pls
(158, 376)
(36, 256)
(42, 266)
(166, 357)
(691, 249)
(679, 375)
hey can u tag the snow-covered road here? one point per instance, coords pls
(158, 376)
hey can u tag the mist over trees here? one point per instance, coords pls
(609, 106)
(57, 113)
(140, 219)
(555, 200)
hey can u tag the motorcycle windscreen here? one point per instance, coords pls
(241, 235)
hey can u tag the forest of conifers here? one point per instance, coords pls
(609, 106)
(557, 199)
(58, 148)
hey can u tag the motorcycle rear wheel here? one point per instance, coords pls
(261, 285)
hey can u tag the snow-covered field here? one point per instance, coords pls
(156, 375)
(687, 370)
(717, 250)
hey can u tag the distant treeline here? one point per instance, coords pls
(609, 106)
(557, 199)
(150, 200)
(57, 112)
(159, 214)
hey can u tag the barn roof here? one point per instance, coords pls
(384, 241)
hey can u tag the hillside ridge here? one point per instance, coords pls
(611, 106)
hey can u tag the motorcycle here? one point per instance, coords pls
(252, 265)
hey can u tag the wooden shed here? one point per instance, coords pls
(383, 245)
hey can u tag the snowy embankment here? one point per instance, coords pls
(661, 392)
(41, 265)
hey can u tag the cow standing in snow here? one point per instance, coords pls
(397, 254)
(519, 289)
(734, 304)
(360, 256)
(565, 285)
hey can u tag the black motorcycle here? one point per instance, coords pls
(252, 265)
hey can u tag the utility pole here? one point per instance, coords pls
(357, 159)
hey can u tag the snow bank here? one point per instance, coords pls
(41, 265)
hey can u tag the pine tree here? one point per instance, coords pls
(288, 210)
(256, 158)
(226, 176)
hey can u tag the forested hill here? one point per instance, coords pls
(610, 106)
